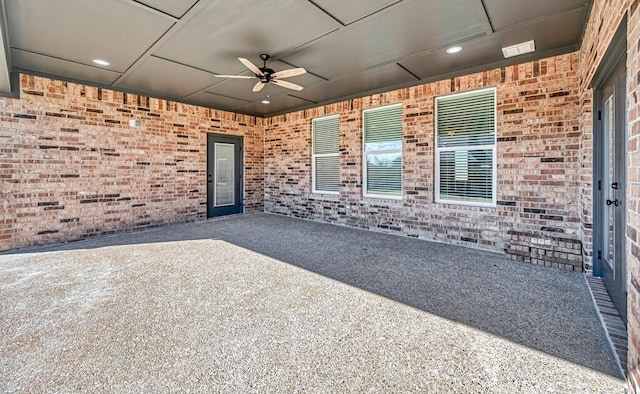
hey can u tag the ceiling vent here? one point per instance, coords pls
(519, 49)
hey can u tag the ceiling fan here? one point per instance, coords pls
(266, 75)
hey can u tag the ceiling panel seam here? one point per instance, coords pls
(102, 68)
(407, 70)
(303, 99)
(308, 72)
(481, 9)
(162, 39)
(153, 10)
(182, 64)
(326, 12)
(539, 18)
(343, 27)
(279, 56)
(467, 40)
(357, 19)
(230, 97)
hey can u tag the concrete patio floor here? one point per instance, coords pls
(264, 303)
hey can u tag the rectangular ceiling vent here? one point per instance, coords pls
(519, 49)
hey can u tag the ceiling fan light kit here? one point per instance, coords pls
(267, 75)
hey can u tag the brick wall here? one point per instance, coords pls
(72, 167)
(603, 21)
(537, 217)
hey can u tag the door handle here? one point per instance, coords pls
(614, 202)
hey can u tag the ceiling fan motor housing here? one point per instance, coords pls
(267, 74)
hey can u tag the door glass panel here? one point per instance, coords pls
(224, 175)
(609, 164)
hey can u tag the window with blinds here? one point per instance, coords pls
(466, 148)
(326, 159)
(383, 151)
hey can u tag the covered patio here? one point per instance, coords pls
(267, 303)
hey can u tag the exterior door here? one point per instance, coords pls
(610, 143)
(224, 175)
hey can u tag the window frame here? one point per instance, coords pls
(314, 155)
(365, 192)
(493, 147)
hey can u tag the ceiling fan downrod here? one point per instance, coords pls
(266, 78)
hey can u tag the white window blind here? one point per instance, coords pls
(326, 159)
(383, 151)
(466, 148)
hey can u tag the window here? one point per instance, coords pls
(326, 159)
(383, 151)
(466, 148)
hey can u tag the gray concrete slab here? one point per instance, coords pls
(264, 303)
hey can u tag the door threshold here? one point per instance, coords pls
(612, 323)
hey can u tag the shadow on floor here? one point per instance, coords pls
(542, 308)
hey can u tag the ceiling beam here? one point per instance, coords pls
(193, 11)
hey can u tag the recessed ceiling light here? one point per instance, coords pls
(101, 62)
(455, 49)
(519, 49)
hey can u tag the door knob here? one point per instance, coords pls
(614, 202)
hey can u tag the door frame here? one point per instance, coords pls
(614, 58)
(238, 206)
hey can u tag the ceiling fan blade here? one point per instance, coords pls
(258, 87)
(251, 66)
(287, 85)
(292, 72)
(234, 76)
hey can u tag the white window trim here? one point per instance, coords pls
(493, 147)
(314, 190)
(365, 154)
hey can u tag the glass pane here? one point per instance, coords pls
(328, 173)
(383, 145)
(466, 119)
(326, 135)
(383, 124)
(467, 175)
(225, 187)
(384, 174)
(462, 165)
(609, 151)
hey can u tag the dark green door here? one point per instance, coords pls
(224, 175)
(610, 147)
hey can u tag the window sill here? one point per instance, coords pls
(382, 197)
(466, 203)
